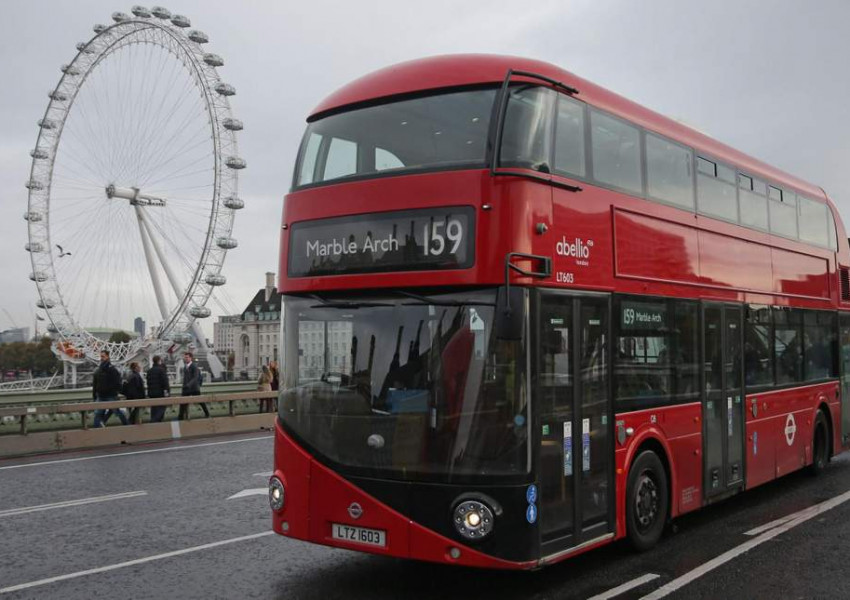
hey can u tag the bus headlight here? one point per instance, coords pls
(276, 493)
(473, 519)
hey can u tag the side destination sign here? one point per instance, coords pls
(410, 240)
(642, 315)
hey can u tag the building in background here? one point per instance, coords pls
(139, 326)
(16, 334)
(223, 334)
(252, 336)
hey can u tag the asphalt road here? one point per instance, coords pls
(159, 522)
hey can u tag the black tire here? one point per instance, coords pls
(820, 445)
(647, 501)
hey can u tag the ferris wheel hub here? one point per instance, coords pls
(134, 195)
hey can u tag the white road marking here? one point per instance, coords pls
(130, 563)
(777, 522)
(251, 492)
(799, 517)
(269, 474)
(68, 503)
(629, 585)
(81, 458)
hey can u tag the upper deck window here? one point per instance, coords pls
(752, 201)
(526, 138)
(569, 138)
(669, 172)
(440, 131)
(616, 152)
(783, 215)
(813, 223)
(716, 195)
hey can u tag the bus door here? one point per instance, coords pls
(844, 348)
(723, 399)
(576, 456)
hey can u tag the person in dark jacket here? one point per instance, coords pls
(106, 383)
(158, 387)
(134, 389)
(191, 385)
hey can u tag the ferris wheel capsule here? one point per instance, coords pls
(234, 162)
(99, 28)
(160, 12)
(38, 276)
(232, 124)
(181, 21)
(58, 96)
(47, 123)
(141, 11)
(34, 184)
(182, 338)
(199, 37)
(200, 312)
(84, 48)
(39, 153)
(214, 279)
(45, 303)
(52, 328)
(119, 17)
(225, 89)
(32, 216)
(70, 70)
(226, 243)
(234, 202)
(34, 247)
(213, 60)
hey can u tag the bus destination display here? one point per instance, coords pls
(411, 240)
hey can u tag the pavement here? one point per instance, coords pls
(190, 519)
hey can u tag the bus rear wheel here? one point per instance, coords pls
(647, 499)
(820, 445)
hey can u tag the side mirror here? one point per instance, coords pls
(510, 313)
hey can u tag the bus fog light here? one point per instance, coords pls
(277, 495)
(473, 520)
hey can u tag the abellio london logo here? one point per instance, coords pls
(576, 248)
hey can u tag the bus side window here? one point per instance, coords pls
(342, 159)
(384, 159)
(616, 152)
(569, 138)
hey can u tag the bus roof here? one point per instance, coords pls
(470, 69)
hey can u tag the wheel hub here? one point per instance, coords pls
(646, 501)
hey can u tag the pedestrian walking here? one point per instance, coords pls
(264, 384)
(158, 387)
(191, 385)
(106, 383)
(273, 367)
(134, 389)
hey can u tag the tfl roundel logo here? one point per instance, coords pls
(355, 511)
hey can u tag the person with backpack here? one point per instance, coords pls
(106, 383)
(158, 387)
(134, 389)
(191, 385)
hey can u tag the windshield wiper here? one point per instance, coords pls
(425, 300)
(347, 305)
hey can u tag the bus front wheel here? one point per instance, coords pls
(647, 498)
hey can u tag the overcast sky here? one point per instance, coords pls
(767, 77)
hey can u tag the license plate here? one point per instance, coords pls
(359, 535)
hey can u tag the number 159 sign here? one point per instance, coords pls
(410, 240)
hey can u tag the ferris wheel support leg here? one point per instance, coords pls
(146, 244)
(172, 277)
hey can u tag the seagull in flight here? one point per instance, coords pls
(62, 252)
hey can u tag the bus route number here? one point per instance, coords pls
(439, 234)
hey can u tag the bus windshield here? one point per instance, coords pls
(402, 386)
(440, 131)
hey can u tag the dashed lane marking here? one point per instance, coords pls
(779, 528)
(629, 585)
(251, 492)
(152, 450)
(130, 563)
(68, 503)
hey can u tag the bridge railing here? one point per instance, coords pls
(24, 441)
(22, 413)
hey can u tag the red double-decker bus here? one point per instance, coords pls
(524, 317)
